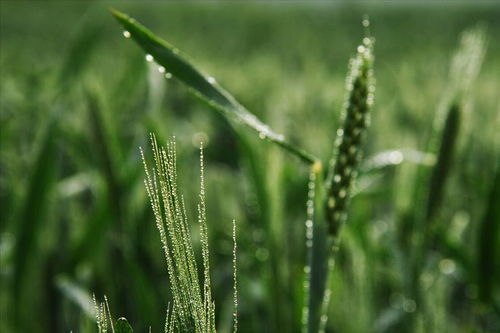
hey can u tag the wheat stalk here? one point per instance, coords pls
(328, 201)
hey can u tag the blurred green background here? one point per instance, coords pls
(77, 100)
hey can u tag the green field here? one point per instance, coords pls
(77, 100)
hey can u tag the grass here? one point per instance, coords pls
(193, 309)
(287, 65)
(341, 175)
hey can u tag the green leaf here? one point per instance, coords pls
(122, 326)
(76, 294)
(79, 53)
(489, 244)
(32, 215)
(202, 85)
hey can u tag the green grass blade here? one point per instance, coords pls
(79, 53)
(391, 158)
(318, 254)
(489, 245)
(33, 214)
(203, 86)
(441, 170)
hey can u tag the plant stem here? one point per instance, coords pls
(318, 247)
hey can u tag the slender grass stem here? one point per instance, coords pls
(317, 243)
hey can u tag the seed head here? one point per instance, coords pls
(355, 120)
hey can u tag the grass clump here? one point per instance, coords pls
(193, 308)
(419, 246)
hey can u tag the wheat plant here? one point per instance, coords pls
(193, 309)
(343, 166)
(344, 228)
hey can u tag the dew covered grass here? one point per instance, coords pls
(419, 249)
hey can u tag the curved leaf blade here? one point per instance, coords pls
(202, 85)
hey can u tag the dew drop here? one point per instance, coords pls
(447, 266)
(161, 69)
(331, 203)
(396, 157)
(409, 305)
(262, 135)
(309, 224)
(200, 138)
(262, 254)
(149, 58)
(211, 80)
(309, 233)
(168, 75)
(366, 22)
(126, 34)
(361, 49)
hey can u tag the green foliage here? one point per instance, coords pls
(286, 64)
(193, 308)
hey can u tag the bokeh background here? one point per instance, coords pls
(77, 100)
